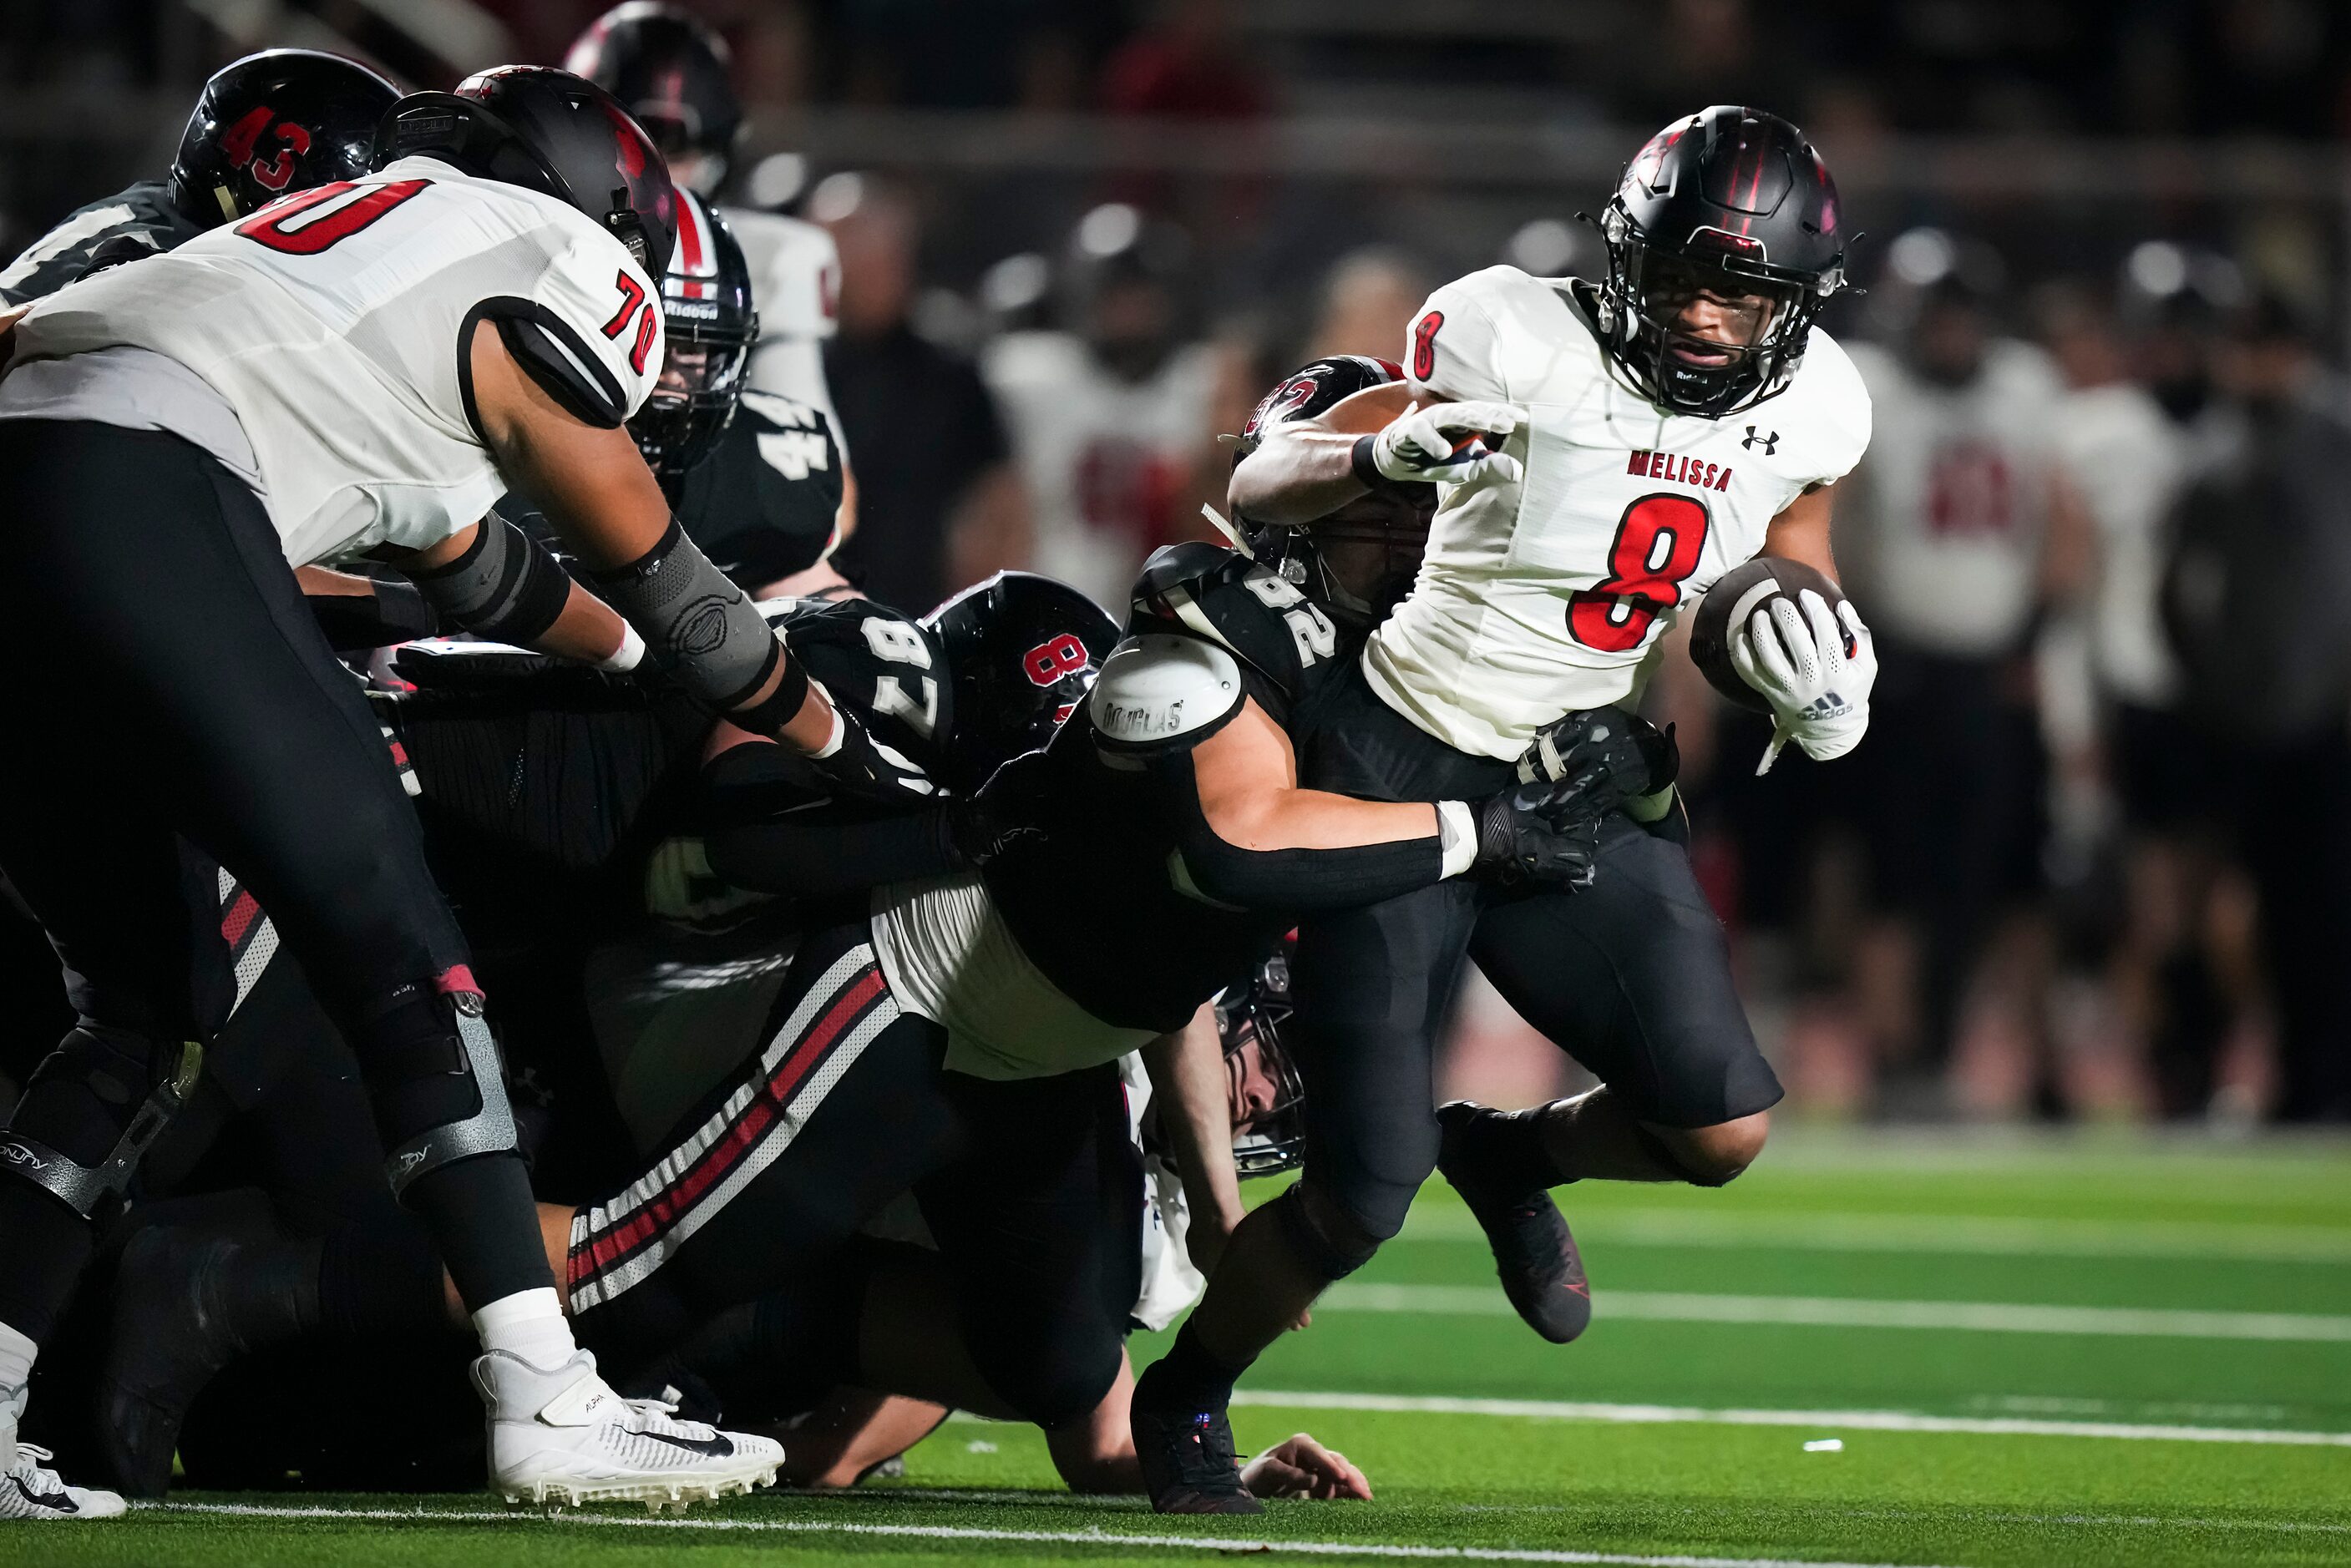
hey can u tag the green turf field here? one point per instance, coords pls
(2103, 1350)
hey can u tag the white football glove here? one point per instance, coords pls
(1819, 694)
(1420, 445)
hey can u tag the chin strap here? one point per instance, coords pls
(1216, 521)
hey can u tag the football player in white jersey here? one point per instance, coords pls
(360, 369)
(1109, 420)
(1603, 453)
(670, 69)
(1963, 533)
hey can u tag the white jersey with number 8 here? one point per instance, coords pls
(1543, 595)
(336, 324)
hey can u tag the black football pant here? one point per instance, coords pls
(1031, 1189)
(172, 685)
(1631, 977)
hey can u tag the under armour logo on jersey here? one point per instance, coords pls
(1770, 442)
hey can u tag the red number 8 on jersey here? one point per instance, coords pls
(1657, 546)
(1050, 661)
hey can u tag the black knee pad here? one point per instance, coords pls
(433, 1079)
(1670, 1158)
(1333, 1257)
(92, 1110)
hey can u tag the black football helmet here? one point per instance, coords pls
(549, 131)
(1383, 532)
(671, 71)
(1257, 1015)
(284, 120)
(710, 325)
(1732, 202)
(1022, 651)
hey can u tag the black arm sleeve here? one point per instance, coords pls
(1306, 881)
(396, 612)
(775, 831)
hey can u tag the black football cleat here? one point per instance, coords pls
(1540, 1271)
(1186, 1455)
(165, 1346)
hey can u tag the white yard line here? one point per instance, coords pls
(1855, 1312)
(1830, 1420)
(1107, 1538)
(1956, 1233)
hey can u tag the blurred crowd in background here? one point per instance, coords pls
(2094, 860)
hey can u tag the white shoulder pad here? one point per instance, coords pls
(1162, 691)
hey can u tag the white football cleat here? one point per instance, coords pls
(30, 1491)
(563, 1436)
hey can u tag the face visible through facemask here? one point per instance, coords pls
(1709, 316)
(1250, 1091)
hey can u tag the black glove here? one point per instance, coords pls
(1542, 835)
(1012, 805)
(1611, 755)
(857, 771)
(977, 832)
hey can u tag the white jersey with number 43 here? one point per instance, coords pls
(336, 324)
(1542, 596)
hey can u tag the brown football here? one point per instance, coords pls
(1733, 600)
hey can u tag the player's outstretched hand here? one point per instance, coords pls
(1447, 443)
(1815, 669)
(1301, 1466)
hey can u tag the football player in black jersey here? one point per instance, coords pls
(553, 796)
(281, 120)
(1631, 975)
(1155, 847)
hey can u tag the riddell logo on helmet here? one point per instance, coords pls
(1679, 468)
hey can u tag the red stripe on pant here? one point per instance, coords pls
(239, 916)
(659, 1214)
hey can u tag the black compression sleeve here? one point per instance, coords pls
(832, 849)
(1304, 880)
(396, 612)
(778, 833)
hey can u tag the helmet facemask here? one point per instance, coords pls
(1262, 1086)
(700, 388)
(1767, 314)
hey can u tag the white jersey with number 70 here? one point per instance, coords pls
(1543, 595)
(337, 324)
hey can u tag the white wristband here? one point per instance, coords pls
(832, 742)
(628, 656)
(1456, 828)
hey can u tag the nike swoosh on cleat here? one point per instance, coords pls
(62, 1502)
(716, 1447)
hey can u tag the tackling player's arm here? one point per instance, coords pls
(1189, 1091)
(1247, 836)
(594, 487)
